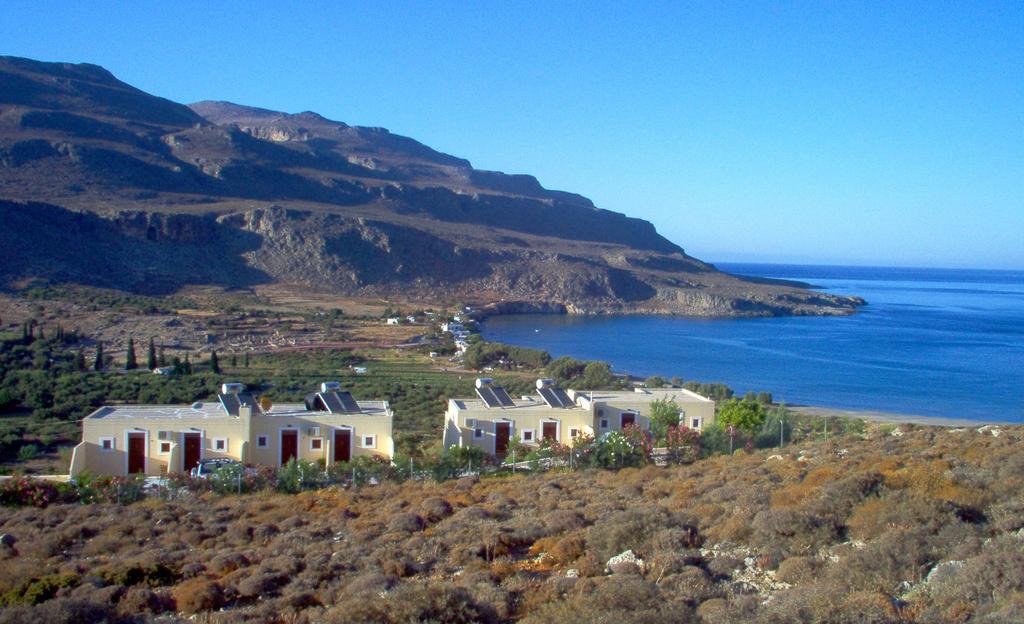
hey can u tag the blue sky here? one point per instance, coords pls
(847, 132)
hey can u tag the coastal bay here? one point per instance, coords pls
(945, 343)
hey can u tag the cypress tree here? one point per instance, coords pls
(98, 363)
(163, 358)
(234, 360)
(80, 360)
(151, 360)
(42, 334)
(188, 365)
(247, 359)
(214, 362)
(130, 363)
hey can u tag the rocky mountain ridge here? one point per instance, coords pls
(106, 185)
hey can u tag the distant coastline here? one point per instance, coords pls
(934, 346)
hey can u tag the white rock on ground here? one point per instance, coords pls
(624, 562)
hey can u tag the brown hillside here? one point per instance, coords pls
(167, 195)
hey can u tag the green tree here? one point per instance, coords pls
(654, 381)
(130, 363)
(565, 369)
(214, 362)
(97, 364)
(747, 416)
(151, 360)
(664, 414)
(80, 360)
(597, 375)
(246, 360)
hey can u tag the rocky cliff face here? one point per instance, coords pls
(103, 184)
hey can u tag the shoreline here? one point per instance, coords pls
(893, 417)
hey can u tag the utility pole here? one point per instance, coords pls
(782, 432)
(826, 429)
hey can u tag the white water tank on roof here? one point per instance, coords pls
(330, 386)
(544, 383)
(484, 381)
(232, 388)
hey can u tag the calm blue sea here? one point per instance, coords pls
(931, 342)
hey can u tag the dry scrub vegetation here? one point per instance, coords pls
(920, 527)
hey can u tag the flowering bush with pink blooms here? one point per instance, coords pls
(121, 490)
(682, 445)
(28, 492)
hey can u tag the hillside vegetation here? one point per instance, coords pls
(908, 524)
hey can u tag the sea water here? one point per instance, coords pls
(932, 342)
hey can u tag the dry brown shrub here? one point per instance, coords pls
(734, 528)
(691, 584)
(405, 523)
(409, 603)
(395, 562)
(257, 583)
(138, 600)
(798, 569)
(566, 550)
(435, 509)
(543, 545)
(795, 493)
(562, 520)
(227, 562)
(198, 595)
(714, 611)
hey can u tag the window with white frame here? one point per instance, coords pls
(316, 444)
(220, 444)
(471, 423)
(604, 423)
(369, 441)
(165, 448)
(696, 423)
(261, 441)
(574, 432)
(526, 435)
(107, 444)
(478, 433)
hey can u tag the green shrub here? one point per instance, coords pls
(37, 590)
(298, 475)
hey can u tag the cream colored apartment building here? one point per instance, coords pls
(493, 418)
(162, 439)
(615, 409)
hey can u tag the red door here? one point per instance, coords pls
(193, 444)
(289, 445)
(136, 453)
(549, 431)
(628, 419)
(501, 435)
(342, 445)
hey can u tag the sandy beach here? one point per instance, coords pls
(890, 417)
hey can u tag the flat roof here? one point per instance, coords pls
(519, 404)
(648, 394)
(213, 410)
